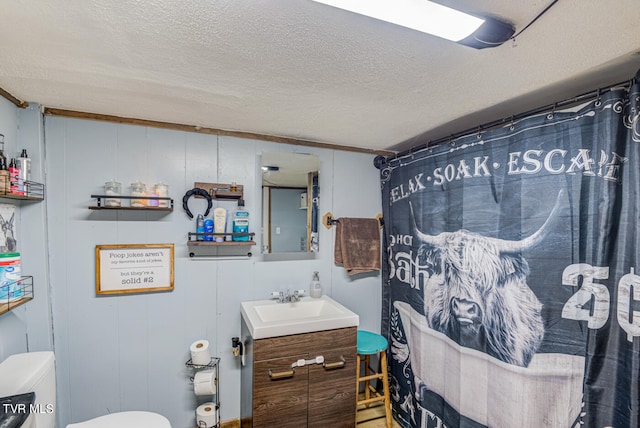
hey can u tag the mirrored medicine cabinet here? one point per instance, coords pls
(290, 195)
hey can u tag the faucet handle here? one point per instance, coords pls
(278, 295)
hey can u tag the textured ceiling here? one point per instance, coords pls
(300, 69)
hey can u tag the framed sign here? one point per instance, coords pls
(134, 268)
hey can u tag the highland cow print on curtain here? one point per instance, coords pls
(512, 292)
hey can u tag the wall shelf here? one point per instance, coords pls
(221, 190)
(100, 203)
(26, 291)
(224, 248)
(222, 244)
(32, 191)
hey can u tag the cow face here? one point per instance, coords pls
(479, 298)
(477, 292)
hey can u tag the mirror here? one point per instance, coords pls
(290, 195)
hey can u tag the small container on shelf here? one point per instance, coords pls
(138, 189)
(162, 190)
(15, 293)
(112, 188)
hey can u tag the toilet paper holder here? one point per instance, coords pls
(212, 365)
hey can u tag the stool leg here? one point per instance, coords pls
(367, 394)
(357, 383)
(385, 385)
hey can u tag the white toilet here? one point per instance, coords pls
(35, 372)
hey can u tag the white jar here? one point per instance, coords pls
(138, 189)
(112, 188)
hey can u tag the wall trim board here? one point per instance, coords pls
(234, 423)
(205, 130)
(14, 100)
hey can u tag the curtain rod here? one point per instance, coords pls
(550, 107)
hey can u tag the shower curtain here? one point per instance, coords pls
(511, 294)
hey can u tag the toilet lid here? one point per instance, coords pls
(125, 420)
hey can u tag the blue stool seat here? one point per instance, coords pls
(373, 344)
(370, 343)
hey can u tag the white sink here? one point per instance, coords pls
(268, 318)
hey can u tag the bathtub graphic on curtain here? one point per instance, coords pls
(486, 390)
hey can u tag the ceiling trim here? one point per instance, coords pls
(48, 111)
(14, 100)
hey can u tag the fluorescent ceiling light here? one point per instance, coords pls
(432, 18)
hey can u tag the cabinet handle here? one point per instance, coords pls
(281, 375)
(336, 365)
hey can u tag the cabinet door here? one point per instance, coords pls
(332, 390)
(279, 394)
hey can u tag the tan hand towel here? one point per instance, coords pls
(357, 245)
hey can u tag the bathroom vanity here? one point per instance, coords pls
(302, 379)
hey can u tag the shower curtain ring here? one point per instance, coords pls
(512, 126)
(598, 103)
(553, 111)
(478, 135)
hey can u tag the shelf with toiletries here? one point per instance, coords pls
(24, 190)
(15, 177)
(211, 236)
(145, 203)
(16, 293)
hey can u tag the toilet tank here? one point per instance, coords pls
(32, 372)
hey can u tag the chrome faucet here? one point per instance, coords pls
(286, 297)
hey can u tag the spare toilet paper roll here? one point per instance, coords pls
(204, 382)
(200, 354)
(206, 415)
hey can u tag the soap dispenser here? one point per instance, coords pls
(315, 289)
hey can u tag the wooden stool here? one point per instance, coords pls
(370, 344)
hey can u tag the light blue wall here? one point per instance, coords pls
(288, 221)
(27, 327)
(128, 352)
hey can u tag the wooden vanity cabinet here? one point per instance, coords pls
(315, 395)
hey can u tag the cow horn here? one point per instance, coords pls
(428, 239)
(536, 237)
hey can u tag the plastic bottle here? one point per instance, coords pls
(315, 289)
(24, 169)
(208, 228)
(220, 223)
(4, 177)
(240, 222)
(200, 227)
(15, 179)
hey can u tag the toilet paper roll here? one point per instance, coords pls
(204, 382)
(206, 415)
(200, 354)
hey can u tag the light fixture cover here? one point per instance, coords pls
(432, 18)
(491, 33)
